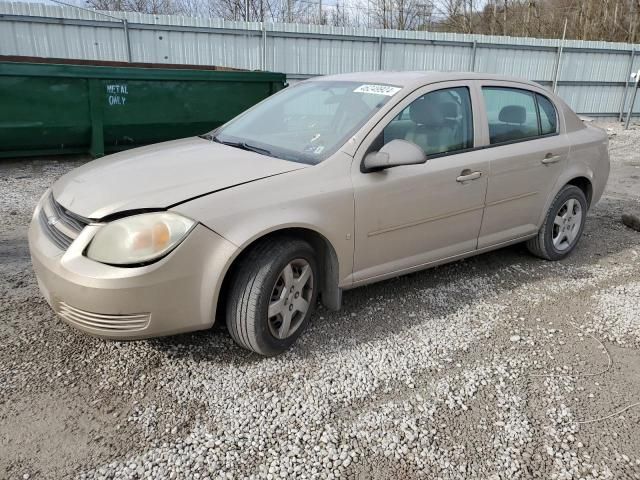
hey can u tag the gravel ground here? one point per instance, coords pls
(500, 366)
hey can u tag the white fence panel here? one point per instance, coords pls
(592, 77)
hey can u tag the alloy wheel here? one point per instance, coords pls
(290, 298)
(566, 225)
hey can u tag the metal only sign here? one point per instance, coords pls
(117, 94)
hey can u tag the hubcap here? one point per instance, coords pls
(290, 298)
(566, 225)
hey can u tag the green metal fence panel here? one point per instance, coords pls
(59, 108)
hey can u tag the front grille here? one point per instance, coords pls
(61, 240)
(102, 322)
(70, 219)
(59, 224)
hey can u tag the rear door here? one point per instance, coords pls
(528, 151)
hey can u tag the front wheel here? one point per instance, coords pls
(563, 225)
(272, 296)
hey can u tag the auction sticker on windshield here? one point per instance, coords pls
(378, 89)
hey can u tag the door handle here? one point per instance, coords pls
(467, 175)
(550, 158)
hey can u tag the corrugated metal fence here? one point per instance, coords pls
(593, 77)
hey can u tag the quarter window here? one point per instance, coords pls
(439, 122)
(548, 116)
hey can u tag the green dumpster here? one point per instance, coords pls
(66, 108)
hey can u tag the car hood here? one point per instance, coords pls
(161, 175)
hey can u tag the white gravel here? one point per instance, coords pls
(617, 317)
(472, 370)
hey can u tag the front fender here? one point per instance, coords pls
(318, 199)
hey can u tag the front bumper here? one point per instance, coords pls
(176, 294)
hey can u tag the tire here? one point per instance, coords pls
(558, 223)
(260, 281)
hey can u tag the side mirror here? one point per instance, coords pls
(393, 154)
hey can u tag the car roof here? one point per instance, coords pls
(416, 78)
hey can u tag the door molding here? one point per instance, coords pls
(423, 221)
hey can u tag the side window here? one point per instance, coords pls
(439, 122)
(511, 113)
(548, 115)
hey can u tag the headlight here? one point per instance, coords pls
(139, 239)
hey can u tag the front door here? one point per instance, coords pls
(410, 216)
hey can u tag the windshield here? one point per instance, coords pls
(308, 122)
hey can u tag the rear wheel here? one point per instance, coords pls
(563, 225)
(272, 295)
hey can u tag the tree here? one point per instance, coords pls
(612, 20)
(399, 14)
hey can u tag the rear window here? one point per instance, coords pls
(511, 114)
(514, 114)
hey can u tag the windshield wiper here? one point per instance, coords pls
(245, 146)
